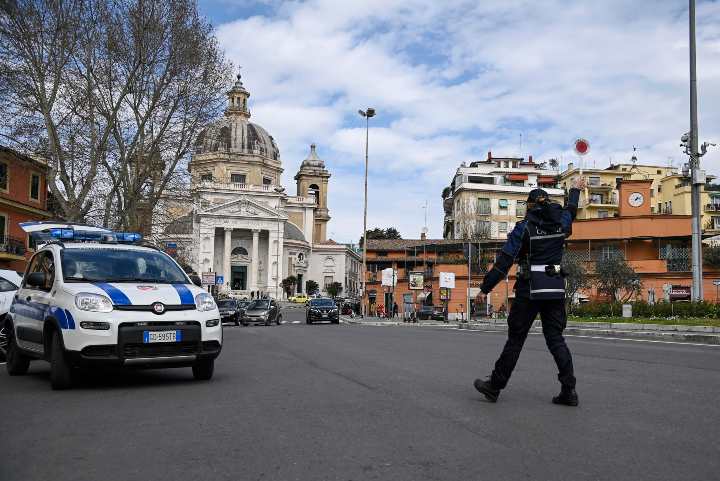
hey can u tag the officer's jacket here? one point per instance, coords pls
(537, 243)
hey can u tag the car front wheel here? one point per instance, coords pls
(278, 320)
(60, 369)
(203, 369)
(17, 363)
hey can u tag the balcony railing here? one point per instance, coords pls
(712, 207)
(211, 184)
(12, 246)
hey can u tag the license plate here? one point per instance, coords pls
(324, 314)
(161, 336)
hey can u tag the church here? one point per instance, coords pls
(245, 227)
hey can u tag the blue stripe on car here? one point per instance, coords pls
(117, 296)
(70, 319)
(186, 296)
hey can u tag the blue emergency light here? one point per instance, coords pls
(69, 234)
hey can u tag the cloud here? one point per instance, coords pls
(451, 80)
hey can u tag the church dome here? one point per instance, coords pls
(235, 133)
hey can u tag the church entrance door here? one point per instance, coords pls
(238, 282)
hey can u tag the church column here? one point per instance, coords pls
(254, 260)
(227, 248)
(275, 255)
(207, 251)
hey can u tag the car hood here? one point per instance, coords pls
(130, 293)
(256, 312)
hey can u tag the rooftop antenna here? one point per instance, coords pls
(521, 145)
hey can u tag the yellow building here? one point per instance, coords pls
(669, 192)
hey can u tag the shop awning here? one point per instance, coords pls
(516, 177)
(546, 179)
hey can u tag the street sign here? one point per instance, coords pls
(389, 277)
(445, 293)
(717, 282)
(582, 146)
(219, 280)
(416, 281)
(447, 279)
(208, 278)
(679, 293)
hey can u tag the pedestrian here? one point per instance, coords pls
(537, 243)
(395, 310)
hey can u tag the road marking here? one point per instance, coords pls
(606, 338)
(296, 322)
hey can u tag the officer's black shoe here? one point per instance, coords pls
(567, 397)
(487, 389)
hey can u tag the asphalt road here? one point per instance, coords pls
(325, 402)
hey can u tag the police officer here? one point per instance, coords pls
(537, 244)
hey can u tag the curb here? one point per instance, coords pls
(659, 332)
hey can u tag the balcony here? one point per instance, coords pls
(236, 186)
(603, 187)
(12, 248)
(602, 202)
(712, 207)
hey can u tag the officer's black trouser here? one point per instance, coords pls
(521, 317)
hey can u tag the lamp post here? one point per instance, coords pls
(369, 112)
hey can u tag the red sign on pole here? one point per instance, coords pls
(582, 146)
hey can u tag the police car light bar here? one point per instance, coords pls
(44, 232)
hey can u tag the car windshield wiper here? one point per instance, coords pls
(149, 280)
(79, 279)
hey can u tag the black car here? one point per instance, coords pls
(262, 311)
(431, 313)
(322, 309)
(230, 310)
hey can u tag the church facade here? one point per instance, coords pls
(245, 227)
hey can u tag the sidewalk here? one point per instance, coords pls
(659, 332)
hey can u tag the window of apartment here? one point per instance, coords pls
(669, 207)
(3, 176)
(520, 208)
(715, 222)
(237, 178)
(659, 188)
(596, 199)
(483, 206)
(35, 186)
(594, 180)
(503, 227)
(503, 205)
(602, 214)
(382, 254)
(659, 171)
(328, 281)
(484, 229)
(206, 177)
(659, 210)
(267, 181)
(3, 227)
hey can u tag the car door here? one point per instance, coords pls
(273, 310)
(32, 302)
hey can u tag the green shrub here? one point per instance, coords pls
(642, 309)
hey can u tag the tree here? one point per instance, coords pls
(288, 284)
(616, 279)
(334, 289)
(711, 256)
(576, 277)
(378, 233)
(113, 95)
(311, 287)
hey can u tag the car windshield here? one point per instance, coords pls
(261, 304)
(120, 265)
(322, 303)
(227, 304)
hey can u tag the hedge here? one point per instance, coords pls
(643, 309)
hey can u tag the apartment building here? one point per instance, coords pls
(486, 198)
(669, 191)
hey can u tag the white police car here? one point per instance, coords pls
(92, 296)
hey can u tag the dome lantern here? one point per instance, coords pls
(237, 99)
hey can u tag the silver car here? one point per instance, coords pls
(262, 311)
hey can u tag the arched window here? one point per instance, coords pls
(314, 191)
(239, 251)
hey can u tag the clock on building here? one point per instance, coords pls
(636, 199)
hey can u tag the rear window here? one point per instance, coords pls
(261, 304)
(322, 303)
(228, 303)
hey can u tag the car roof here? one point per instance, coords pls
(102, 246)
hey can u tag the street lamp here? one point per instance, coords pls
(369, 112)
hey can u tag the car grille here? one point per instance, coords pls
(159, 350)
(99, 351)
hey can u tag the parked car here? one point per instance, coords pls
(9, 283)
(230, 310)
(262, 311)
(431, 313)
(299, 298)
(322, 309)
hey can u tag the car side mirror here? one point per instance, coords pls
(35, 279)
(196, 280)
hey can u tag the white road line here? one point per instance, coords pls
(654, 341)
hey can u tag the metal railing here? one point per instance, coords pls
(237, 186)
(12, 245)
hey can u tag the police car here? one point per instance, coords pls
(91, 296)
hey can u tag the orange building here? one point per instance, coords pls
(23, 198)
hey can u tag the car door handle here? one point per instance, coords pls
(28, 298)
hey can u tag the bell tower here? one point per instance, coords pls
(312, 181)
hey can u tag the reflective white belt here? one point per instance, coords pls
(551, 236)
(539, 267)
(535, 291)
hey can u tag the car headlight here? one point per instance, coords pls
(87, 301)
(205, 302)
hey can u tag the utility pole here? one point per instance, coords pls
(697, 176)
(369, 112)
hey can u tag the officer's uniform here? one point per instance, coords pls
(537, 244)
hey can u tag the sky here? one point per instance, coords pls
(453, 79)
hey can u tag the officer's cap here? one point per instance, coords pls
(536, 194)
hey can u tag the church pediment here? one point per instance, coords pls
(244, 207)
